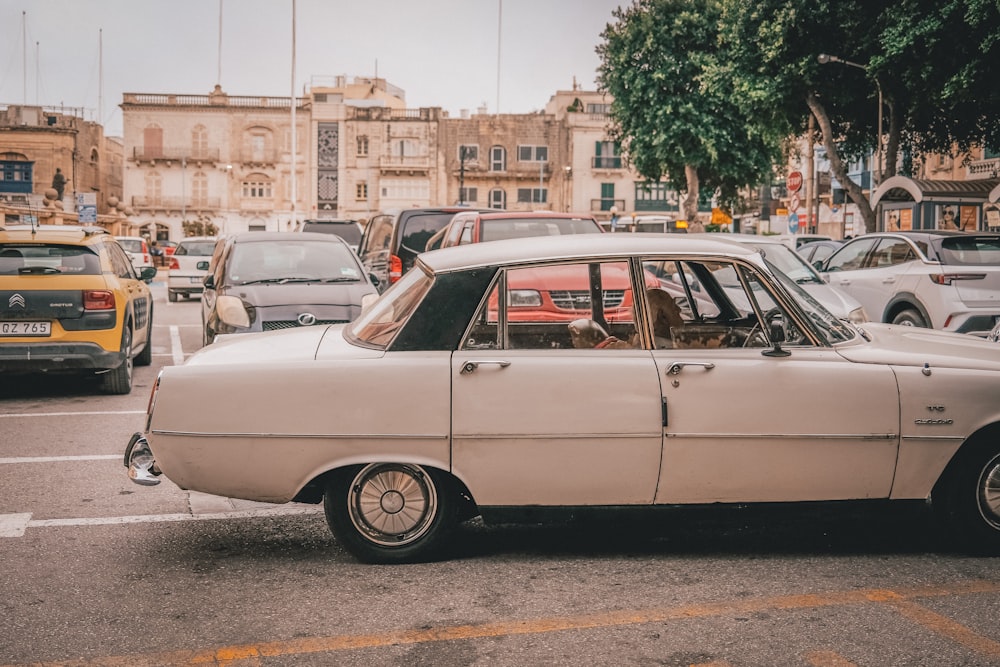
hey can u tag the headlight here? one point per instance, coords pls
(524, 298)
(231, 311)
(857, 316)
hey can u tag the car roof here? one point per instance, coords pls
(596, 244)
(741, 238)
(260, 237)
(530, 215)
(198, 238)
(50, 233)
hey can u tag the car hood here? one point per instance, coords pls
(914, 346)
(301, 294)
(289, 345)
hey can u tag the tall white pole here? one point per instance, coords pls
(294, 139)
(499, 32)
(218, 72)
(24, 53)
(100, 77)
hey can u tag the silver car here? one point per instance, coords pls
(189, 266)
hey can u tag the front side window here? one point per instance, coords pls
(379, 325)
(851, 257)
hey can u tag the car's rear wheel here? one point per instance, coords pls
(390, 512)
(971, 497)
(909, 318)
(145, 358)
(119, 380)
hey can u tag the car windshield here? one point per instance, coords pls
(782, 258)
(380, 323)
(38, 258)
(511, 228)
(824, 322)
(196, 248)
(971, 251)
(292, 261)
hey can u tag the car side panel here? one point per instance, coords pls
(284, 423)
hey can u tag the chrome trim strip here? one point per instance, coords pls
(942, 438)
(337, 436)
(789, 436)
(553, 436)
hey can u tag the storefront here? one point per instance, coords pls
(905, 203)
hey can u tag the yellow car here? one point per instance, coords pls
(71, 302)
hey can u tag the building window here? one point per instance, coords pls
(256, 188)
(361, 191)
(533, 153)
(363, 145)
(599, 108)
(656, 196)
(498, 198)
(199, 141)
(468, 153)
(607, 155)
(199, 189)
(498, 159)
(154, 187)
(532, 195)
(468, 195)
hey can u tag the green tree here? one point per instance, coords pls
(671, 111)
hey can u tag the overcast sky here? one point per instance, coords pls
(442, 53)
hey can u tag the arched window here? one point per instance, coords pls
(498, 158)
(199, 142)
(154, 187)
(94, 155)
(257, 186)
(199, 189)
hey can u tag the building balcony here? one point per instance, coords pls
(606, 162)
(144, 203)
(989, 168)
(605, 204)
(178, 156)
(259, 158)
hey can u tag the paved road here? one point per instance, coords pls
(97, 571)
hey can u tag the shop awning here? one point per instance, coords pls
(905, 189)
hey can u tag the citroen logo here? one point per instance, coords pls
(306, 319)
(15, 300)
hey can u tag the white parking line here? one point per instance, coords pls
(15, 525)
(175, 345)
(73, 414)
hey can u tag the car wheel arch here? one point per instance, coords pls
(312, 490)
(947, 498)
(905, 301)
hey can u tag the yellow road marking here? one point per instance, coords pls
(828, 659)
(900, 600)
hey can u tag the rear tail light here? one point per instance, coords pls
(395, 268)
(145, 259)
(948, 278)
(98, 300)
(174, 264)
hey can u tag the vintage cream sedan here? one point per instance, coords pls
(714, 380)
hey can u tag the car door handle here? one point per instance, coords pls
(470, 366)
(888, 281)
(677, 366)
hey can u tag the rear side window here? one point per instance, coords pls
(348, 231)
(971, 251)
(45, 259)
(418, 228)
(512, 228)
(131, 245)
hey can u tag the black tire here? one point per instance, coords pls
(171, 296)
(970, 498)
(910, 318)
(145, 358)
(390, 512)
(119, 380)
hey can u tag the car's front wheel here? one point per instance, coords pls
(970, 499)
(390, 512)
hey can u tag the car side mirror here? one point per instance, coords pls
(777, 331)
(147, 274)
(202, 266)
(374, 279)
(209, 281)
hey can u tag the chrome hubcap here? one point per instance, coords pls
(392, 504)
(989, 492)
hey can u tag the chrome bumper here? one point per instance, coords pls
(140, 462)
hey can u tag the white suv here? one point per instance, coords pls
(137, 250)
(937, 279)
(189, 266)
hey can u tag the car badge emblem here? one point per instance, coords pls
(306, 319)
(15, 300)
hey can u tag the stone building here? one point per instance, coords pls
(35, 141)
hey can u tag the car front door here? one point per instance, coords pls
(555, 402)
(748, 423)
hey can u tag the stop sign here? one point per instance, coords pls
(794, 181)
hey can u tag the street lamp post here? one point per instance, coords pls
(825, 58)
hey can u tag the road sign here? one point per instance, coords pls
(793, 222)
(795, 181)
(794, 204)
(86, 207)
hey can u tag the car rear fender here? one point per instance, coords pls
(905, 301)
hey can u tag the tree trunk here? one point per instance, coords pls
(691, 201)
(854, 190)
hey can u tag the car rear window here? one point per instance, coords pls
(349, 231)
(197, 248)
(132, 245)
(512, 228)
(418, 228)
(971, 251)
(45, 258)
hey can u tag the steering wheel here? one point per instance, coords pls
(757, 337)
